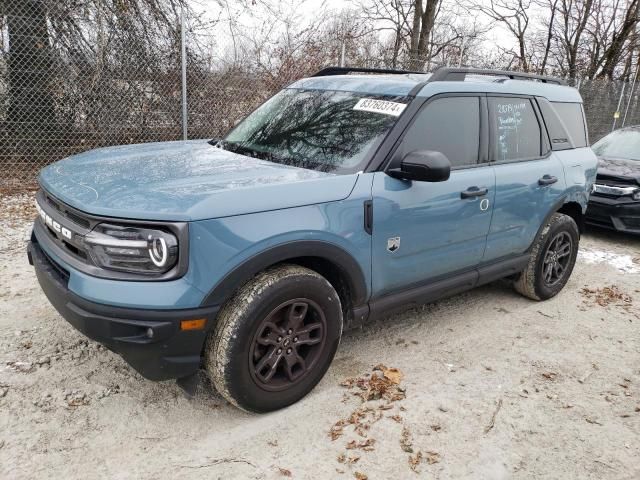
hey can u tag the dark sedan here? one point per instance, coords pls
(615, 199)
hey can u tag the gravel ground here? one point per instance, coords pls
(486, 384)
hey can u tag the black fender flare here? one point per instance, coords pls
(554, 209)
(242, 273)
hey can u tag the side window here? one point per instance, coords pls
(571, 115)
(515, 129)
(560, 139)
(449, 125)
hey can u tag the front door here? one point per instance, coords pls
(423, 231)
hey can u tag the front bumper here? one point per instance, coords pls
(168, 353)
(614, 214)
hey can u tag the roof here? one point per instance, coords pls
(403, 84)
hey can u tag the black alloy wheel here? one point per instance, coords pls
(557, 258)
(287, 343)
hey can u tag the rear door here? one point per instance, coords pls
(529, 176)
(423, 231)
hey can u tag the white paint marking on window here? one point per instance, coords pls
(380, 106)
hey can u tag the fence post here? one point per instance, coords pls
(633, 86)
(617, 113)
(183, 55)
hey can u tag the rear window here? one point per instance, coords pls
(573, 119)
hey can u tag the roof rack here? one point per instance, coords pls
(451, 74)
(330, 71)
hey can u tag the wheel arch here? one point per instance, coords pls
(329, 260)
(573, 210)
(567, 207)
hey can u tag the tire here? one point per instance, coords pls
(535, 282)
(267, 350)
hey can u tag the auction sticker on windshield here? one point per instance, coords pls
(380, 106)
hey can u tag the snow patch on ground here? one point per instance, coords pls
(622, 262)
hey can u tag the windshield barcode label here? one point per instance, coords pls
(380, 106)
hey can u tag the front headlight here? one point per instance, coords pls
(636, 195)
(129, 249)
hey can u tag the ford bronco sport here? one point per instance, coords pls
(342, 198)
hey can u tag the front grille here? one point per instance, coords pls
(83, 222)
(64, 219)
(66, 211)
(62, 274)
(615, 181)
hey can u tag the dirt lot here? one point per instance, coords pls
(491, 385)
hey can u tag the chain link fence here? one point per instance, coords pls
(62, 94)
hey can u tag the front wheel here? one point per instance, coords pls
(553, 257)
(274, 339)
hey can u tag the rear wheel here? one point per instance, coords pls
(553, 257)
(274, 339)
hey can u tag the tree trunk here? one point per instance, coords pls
(29, 64)
(523, 54)
(415, 34)
(613, 53)
(423, 21)
(547, 46)
(572, 51)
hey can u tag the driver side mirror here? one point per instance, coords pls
(423, 166)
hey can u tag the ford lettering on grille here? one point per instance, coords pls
(54, 225)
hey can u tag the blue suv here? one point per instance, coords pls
(344, 197)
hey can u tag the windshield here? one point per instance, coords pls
(328, 131)
(619, 144)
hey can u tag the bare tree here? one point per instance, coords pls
(514, 16)
(573, 16)
(389, 16)
(424, 18)
(613, 54)
(549, 25)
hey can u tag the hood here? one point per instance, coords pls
(619, 170)
(182, 181)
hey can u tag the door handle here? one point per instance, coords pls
(547, 180)
(474, 192)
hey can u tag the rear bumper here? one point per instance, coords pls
(613, 214)
(168, 353)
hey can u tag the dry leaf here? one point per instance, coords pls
(433, 457)
(394, 375)
(414, 461)
(607, 295)
(405, 440)
(342, 458)
(337, 430)
(366, 445)
(284, 472)
(360, 476)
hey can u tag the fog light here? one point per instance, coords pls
(150, 332)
